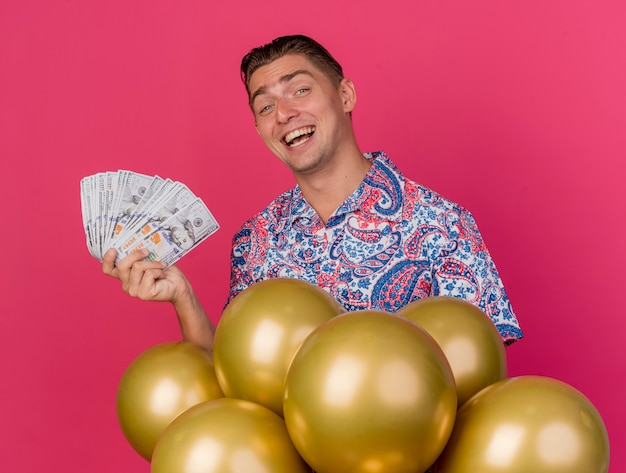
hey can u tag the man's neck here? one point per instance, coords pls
(327, 190)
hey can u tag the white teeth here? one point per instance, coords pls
(296, 133)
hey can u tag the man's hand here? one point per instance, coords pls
(150, 281)
(147, 280)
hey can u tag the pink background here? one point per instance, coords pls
(514, 109)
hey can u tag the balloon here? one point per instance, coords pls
(369, 391)
(259, 332)
(158, 385)
(527, 424)
(227, 436)
(468, 338)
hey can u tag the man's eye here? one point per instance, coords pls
(302, 91)
(265, 109)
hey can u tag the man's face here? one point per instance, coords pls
(181, 238)
(302, 118)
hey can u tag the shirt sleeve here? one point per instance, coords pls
(464, 269)
(240, 273)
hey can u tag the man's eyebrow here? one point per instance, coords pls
(283, 79)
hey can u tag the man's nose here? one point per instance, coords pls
(285, 110)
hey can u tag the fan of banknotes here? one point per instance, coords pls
(127, 211)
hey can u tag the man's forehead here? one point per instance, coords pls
(282, 69)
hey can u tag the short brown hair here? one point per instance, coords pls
(295, 44)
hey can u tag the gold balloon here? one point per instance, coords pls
(468, 338)
(369, 392)
(227, 436)
(158, 385)
(259, 332)
(527, 424)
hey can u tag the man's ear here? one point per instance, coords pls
(348, 94)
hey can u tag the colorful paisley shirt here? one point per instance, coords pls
(391, 242)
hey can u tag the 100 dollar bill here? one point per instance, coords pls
(170, 240)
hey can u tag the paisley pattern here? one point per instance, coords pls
(391, 242)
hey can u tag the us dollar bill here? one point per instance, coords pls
(171, 239)
(158, 188)
(131, 189)
(128, 210)
(86, 196)
(162, 206)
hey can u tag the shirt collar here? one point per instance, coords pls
(379, 195)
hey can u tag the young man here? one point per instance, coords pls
(353, 224)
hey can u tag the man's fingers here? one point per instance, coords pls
(135, 276)
(108, 262)
(141, 278)
(123, 266)
(149, 286)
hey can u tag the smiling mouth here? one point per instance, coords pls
(297, 137)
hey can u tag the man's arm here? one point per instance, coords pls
(195, 325)
(466, 270)
(149, 280)
(241, 260)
